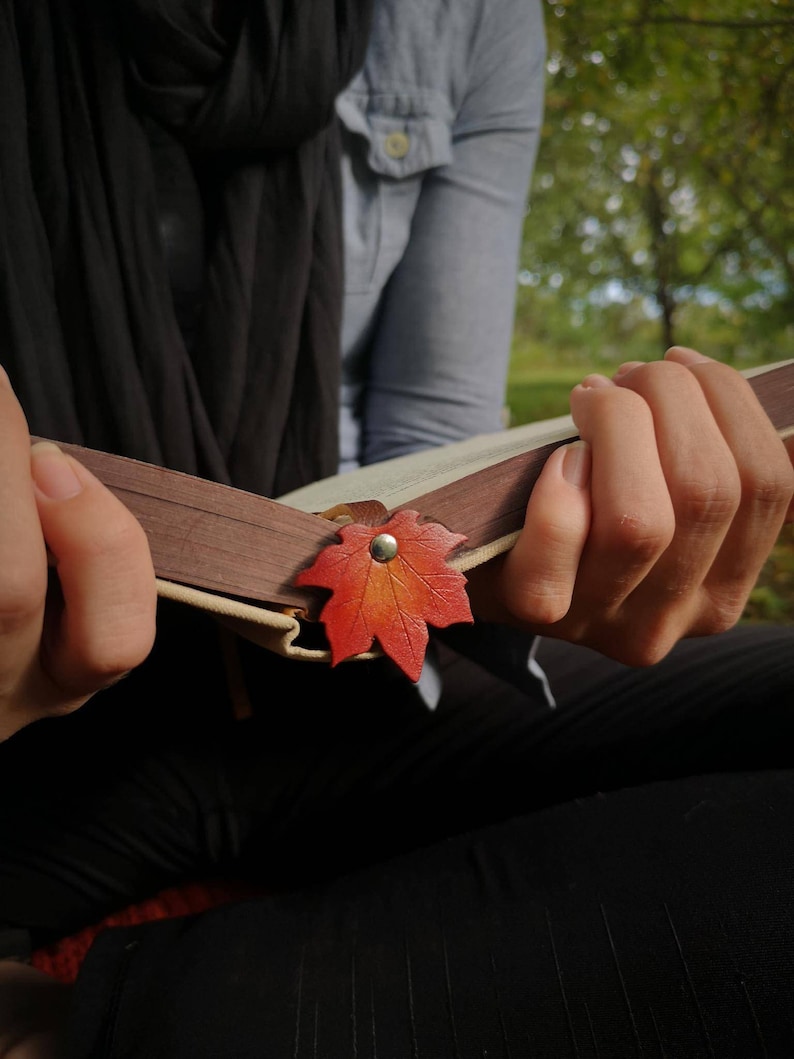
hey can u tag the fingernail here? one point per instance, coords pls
(684, 355)
(594, 381)
(576, 464)
(625, 368)
(53, 472)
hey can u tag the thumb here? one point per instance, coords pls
(105, 625)
(539, 572)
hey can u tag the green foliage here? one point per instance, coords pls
(772, 599)
(662, 207)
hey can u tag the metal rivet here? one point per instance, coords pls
(383, 548)
(397, 145)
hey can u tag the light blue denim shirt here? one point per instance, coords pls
(440, 131)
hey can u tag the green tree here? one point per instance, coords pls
(662, 207)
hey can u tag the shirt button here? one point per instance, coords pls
(397, 145)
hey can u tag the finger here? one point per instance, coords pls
(766, 488)
(23, 561)
(702, 476)
(690, 358)
(101, 555)
(632, 520)
(539, 572)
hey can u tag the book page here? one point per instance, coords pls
(400, 480)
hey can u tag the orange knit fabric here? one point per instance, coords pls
(62, 959)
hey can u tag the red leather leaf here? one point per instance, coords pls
(391, 602)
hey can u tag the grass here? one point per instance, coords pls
(538, 390)
(540, 396)
(772, 599)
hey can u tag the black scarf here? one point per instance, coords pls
(244, 99)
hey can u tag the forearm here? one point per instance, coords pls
(440, 355)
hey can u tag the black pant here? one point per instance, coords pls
(652, 921)
(339, 771)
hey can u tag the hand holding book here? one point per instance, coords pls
(62, 642)
(688, 491)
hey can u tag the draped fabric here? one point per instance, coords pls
(242, 98)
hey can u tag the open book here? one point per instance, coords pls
(239, 555)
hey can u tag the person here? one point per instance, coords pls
(440, 129)
(489, 875)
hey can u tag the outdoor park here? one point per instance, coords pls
(662, 206)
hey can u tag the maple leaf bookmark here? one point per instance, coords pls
(388, 583)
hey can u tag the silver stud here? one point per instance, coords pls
(383, 548)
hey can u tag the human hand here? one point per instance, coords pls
(65, 633)
(654, 527)
(33, 1012)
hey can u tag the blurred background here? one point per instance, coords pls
(662, 204)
